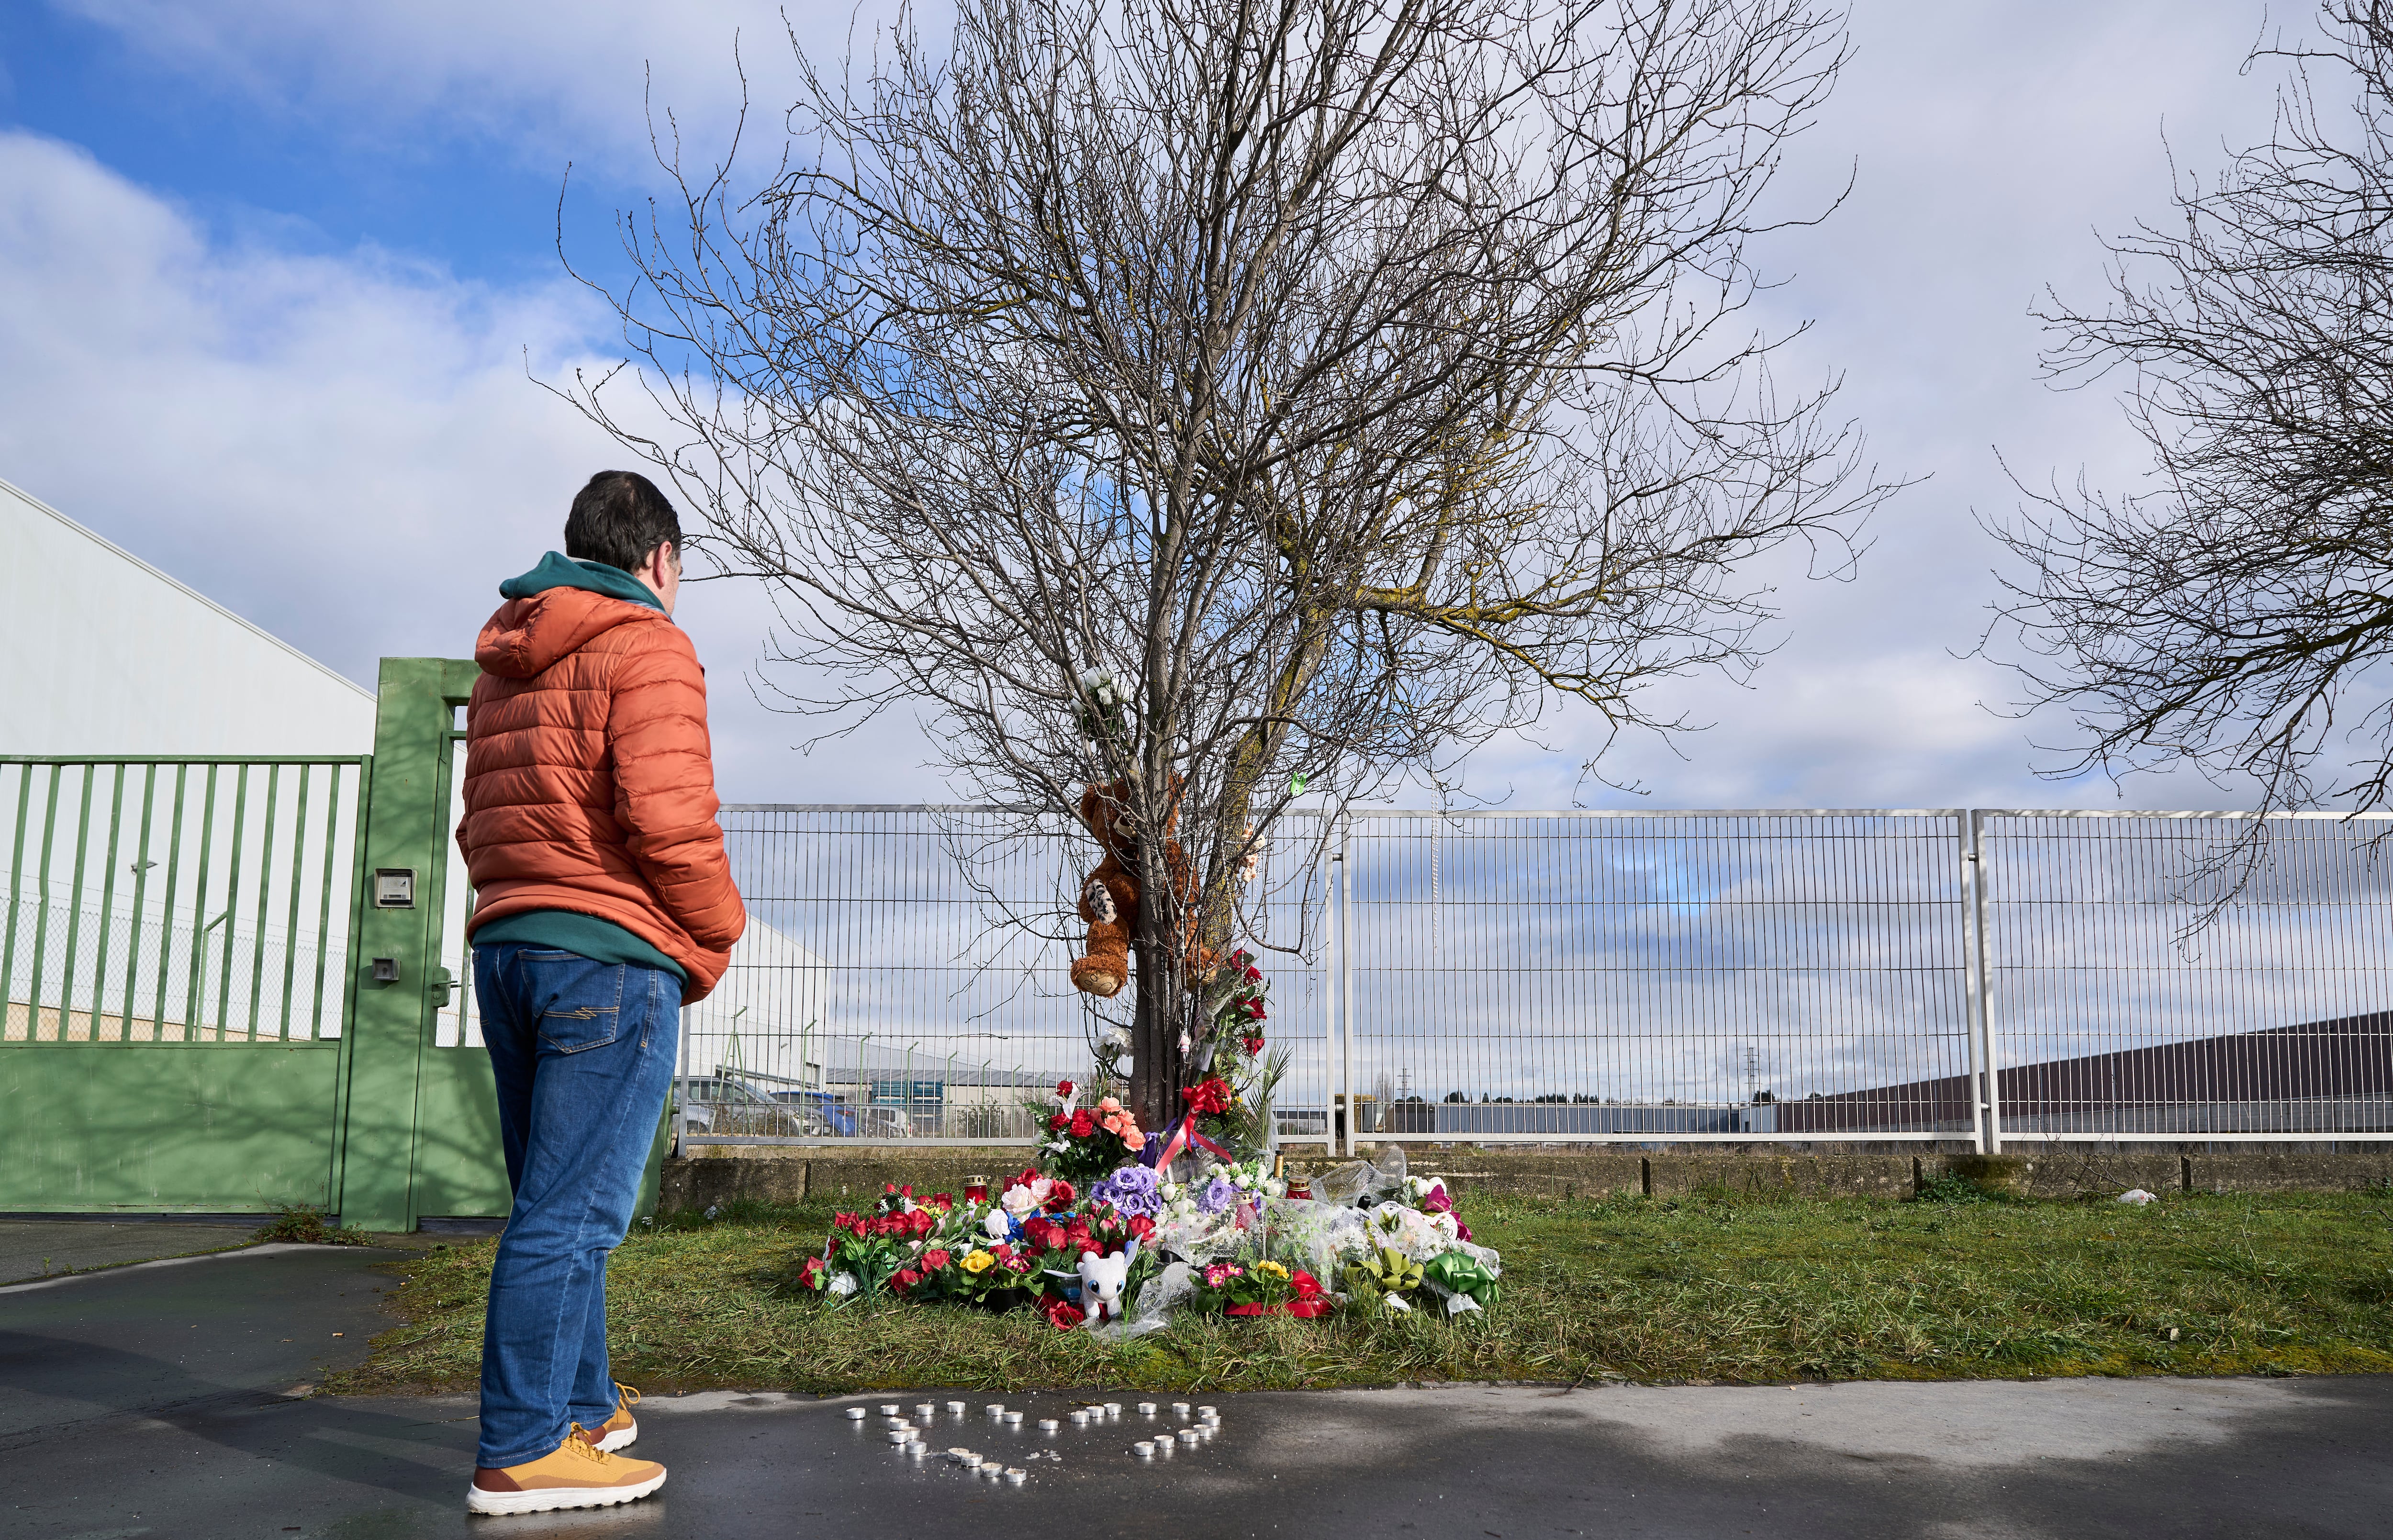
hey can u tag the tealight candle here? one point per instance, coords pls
(1047, 1424)
(1014, 1419)
(1163, 1446)
(1209, 1413)
(1112, 1408)
(855, 1413)
(900, 1436)
(1146, 1408)
(889, 1411)
(957, 1408)
(925, 1409)
(1015, 1476)
(994, 1408)
(1143, 1449)
(1188, 1438)
(1079, 1418)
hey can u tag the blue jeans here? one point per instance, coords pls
(584, 1053)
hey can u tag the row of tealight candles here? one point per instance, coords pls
(906, 1436)
(1208, 1423)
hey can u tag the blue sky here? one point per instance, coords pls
(251, 168)
(274, 276)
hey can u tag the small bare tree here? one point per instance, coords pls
(1212, 401)
(2226, 617)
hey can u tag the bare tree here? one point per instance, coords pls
(2225, 617)
(1215, 401)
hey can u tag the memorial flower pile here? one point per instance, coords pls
(1226, 1240)
(1117, 1228)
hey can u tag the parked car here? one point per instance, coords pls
(729, 1105)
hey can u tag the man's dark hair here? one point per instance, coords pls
(617, 519)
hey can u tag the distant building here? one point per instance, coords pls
(2331, 1076)
(107, 655)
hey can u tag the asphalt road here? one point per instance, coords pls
(145, 1402)
(43, 1249)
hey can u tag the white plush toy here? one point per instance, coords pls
(1102, 1280)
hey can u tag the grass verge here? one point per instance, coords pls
(1714, 1289)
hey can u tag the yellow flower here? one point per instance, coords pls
(978, 1261)
(1273, 1268)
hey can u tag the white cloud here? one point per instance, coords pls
(1989, 142)
(347, 449)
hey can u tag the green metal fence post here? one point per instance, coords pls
(390, 1025)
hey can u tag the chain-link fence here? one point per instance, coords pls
(1595, 976)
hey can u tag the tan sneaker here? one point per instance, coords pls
(620, 1431)
(577, 1475)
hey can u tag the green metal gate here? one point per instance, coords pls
(223, 978)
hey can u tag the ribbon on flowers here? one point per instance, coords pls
(1458, 1275)
(1181, 1135)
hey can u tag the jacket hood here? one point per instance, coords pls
(557, 570)
(555, 609)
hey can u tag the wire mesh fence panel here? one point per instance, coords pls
(2148, 979)
(177, 900)
(1573, 976)
(1601, 976)
(904, 974)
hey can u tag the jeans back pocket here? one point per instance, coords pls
(581, 1001)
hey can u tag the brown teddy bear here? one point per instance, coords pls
(1109, 898)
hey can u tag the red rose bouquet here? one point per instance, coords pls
(865, 1251)
(1085, 1143)
(1239, 1011)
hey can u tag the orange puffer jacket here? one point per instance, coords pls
(589, 779)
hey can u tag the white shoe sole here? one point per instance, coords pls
(548, 1499)
(621, 1437)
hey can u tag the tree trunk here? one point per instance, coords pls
(1157, 1066)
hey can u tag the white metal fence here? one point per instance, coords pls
(1594, 977)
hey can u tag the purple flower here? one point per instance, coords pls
(1132, 1190)
(1219, 1193)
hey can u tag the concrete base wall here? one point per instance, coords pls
(801, 1173)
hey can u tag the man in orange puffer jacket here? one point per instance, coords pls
(603, 904)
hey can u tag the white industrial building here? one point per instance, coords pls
(107, 655)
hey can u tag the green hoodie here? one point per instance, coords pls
(563, 930)
(557, 570)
